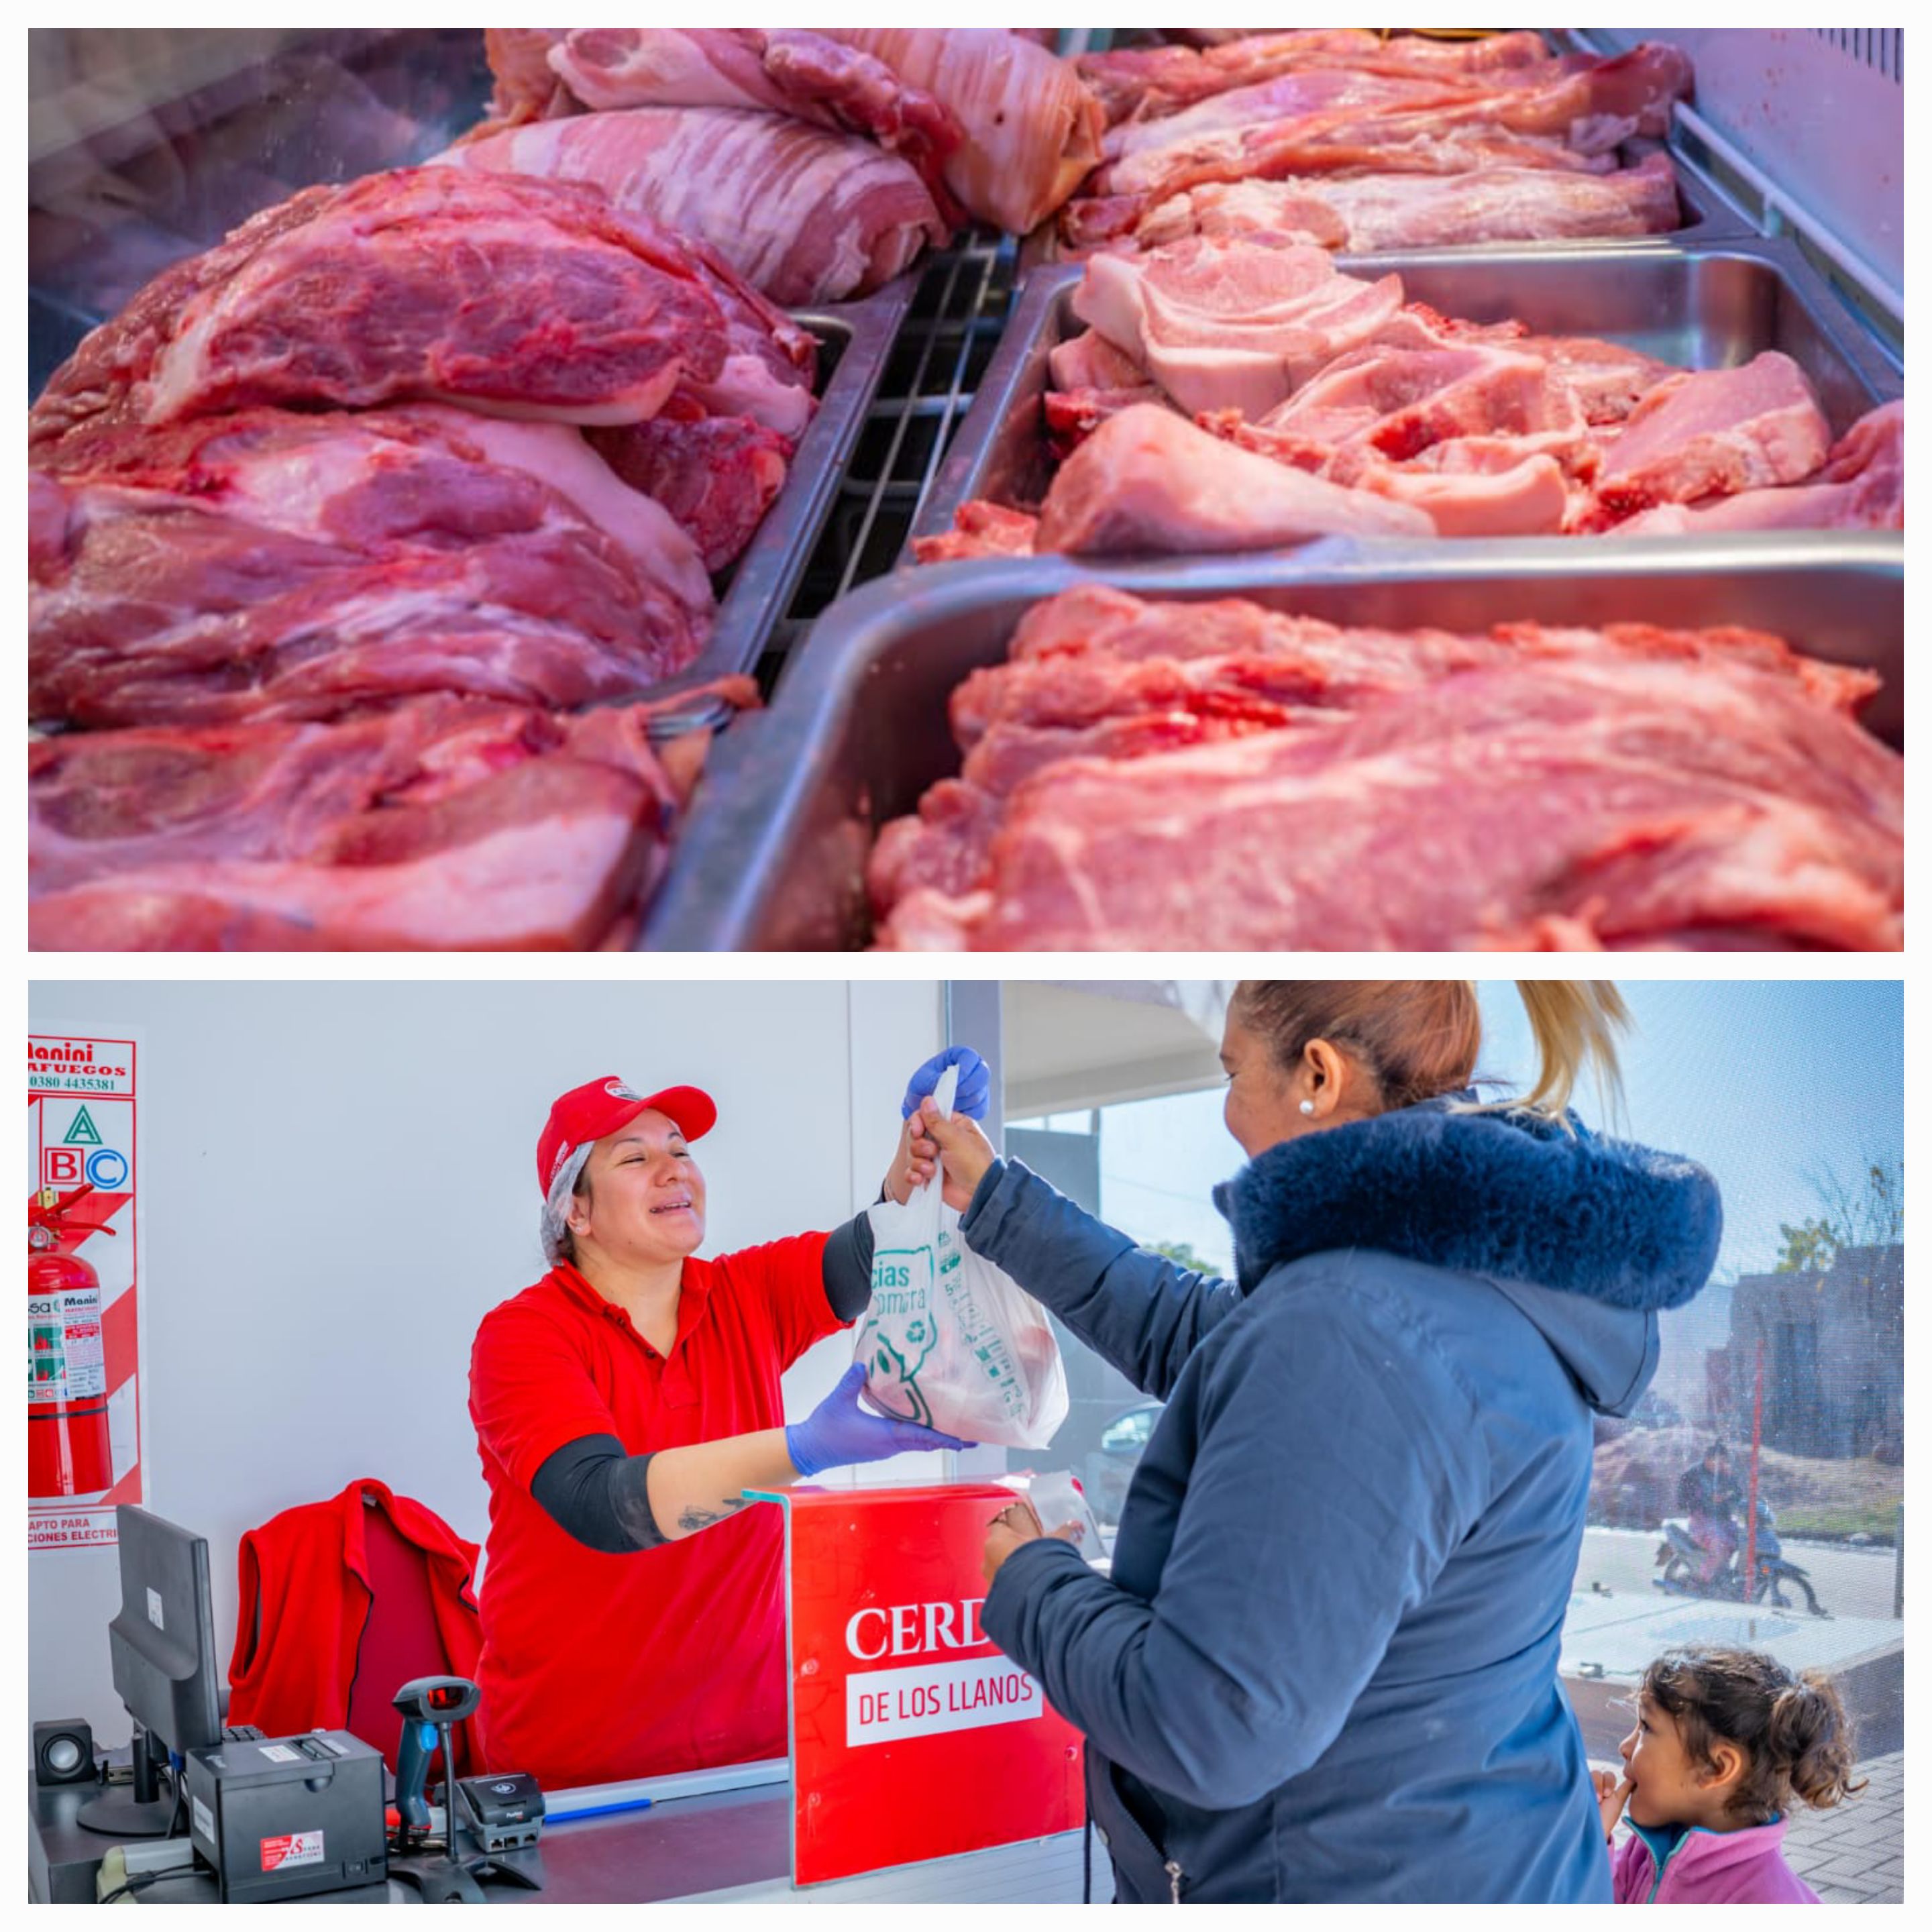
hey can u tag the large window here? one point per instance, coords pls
(1791, 1094)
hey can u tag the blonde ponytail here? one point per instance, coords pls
(1575, 1021)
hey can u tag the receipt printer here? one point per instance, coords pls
(288, 1817)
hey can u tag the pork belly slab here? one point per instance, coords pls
(808, 75)
(1362, 214)
(1029, 127)
(804, 213)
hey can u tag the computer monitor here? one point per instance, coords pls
(162, 1648)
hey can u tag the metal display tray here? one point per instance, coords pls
(857, 339)
(774, 856)
(1703, 307)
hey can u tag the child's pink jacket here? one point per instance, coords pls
(1662, 1865)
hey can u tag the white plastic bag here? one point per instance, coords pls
(948, 1340)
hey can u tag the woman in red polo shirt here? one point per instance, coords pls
(632, 1606)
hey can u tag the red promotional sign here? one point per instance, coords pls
(912, 1737)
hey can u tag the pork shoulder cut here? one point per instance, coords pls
(523, 297)
(444, 823)
(272, 564)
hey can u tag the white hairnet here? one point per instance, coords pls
(555, 1231)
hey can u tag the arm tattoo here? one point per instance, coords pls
(692, 1517)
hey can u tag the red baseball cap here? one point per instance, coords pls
(601, 1107)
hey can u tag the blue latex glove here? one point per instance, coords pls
(838, 1431)
(976, 1083)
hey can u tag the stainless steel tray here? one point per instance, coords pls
(856, 339)
(1703, 307)
(774, 856)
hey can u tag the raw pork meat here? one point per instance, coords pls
(1591, 106)
(1481, 428)
(524, 298)
(1566, 114)
(1450, 143)
(1096, 677)
(1482, 437)
(1402, 402)
(1861, 486)
(1284, 210)
(717, 476)
(1473, 486)
(1091, 380)
(1160, 80)
(446, 823)
(1096, 620)
(1232, 325)
(770, 361)
(1715, 432)
(527, 87)
(803, 214)
(1031, 129)
(1088, 361)
(1601, 801)
(1096, 653)
(1608, 379)
(1296, 94)
(980, 530)
(1363, 213)
(1579, 96)
(806, 75)
(1147, 482)
(267, 564)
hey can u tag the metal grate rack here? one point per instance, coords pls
(964, 295)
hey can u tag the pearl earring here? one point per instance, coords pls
(1308, 1106)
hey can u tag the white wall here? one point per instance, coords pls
(340, 1181)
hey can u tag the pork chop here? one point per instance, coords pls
(1716, 432)
(1147, 481)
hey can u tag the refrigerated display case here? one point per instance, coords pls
(146, 147)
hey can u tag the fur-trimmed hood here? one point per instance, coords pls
(1580, 1231)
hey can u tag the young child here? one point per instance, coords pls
(1724, 1741)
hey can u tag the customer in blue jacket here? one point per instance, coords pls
(1324, 1666)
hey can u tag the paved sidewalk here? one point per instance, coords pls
(1856, 1854)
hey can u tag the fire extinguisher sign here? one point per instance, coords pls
(86, 1430)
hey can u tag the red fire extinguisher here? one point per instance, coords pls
(68, 1451)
